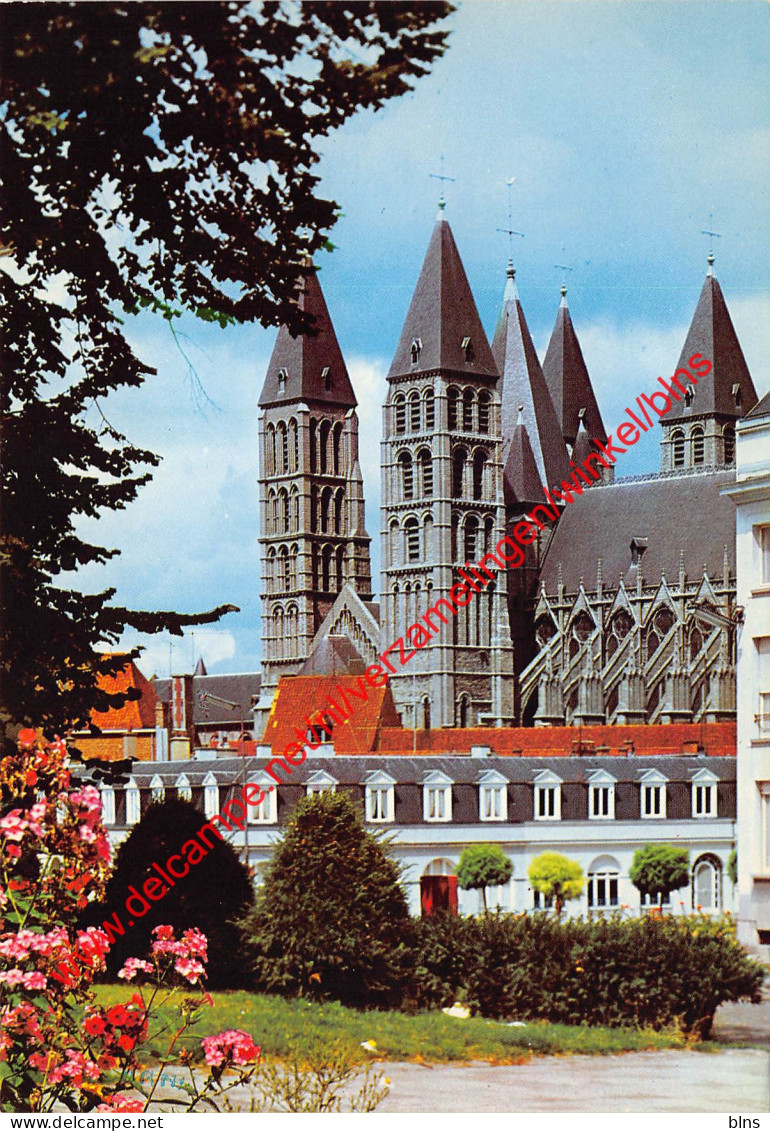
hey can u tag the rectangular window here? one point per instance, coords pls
(108, 806)
(265, 812)
(492, 802)
(762, 645)
(704, 800)
(653, 801)
(438, 803)
(378, 803)
(602, 802)
(602, 890)
(764, 553)
(546, 802)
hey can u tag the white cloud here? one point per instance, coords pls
(166, 655)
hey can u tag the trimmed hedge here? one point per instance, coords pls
(674, 970)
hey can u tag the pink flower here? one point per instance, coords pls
(232, 1044)
(131, 968)
(121, 1102)
(190, 969)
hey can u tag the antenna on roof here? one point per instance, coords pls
(712, 235)
(510, 231)
(440, 177)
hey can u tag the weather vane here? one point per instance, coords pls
(440, 177)
(510, 232)
(711, 235)
(564, 268)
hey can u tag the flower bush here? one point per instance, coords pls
(58, 1048)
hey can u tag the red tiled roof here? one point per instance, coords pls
(136, 714)
(716, 739)
(298, 697)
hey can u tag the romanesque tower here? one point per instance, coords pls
(311, 491)
(442, 499)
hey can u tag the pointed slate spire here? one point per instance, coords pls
(523, 383)
(442, 328)
(309, 367)
(568, 382)
(200, 667)
(583, 446)
(727, 391)
(522, 486)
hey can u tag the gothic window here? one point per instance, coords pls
(414, 411)
(662, 623)
(271, 570)
(284, 569)
(412, 531)
(399, 403)
(453, 401)
(324, 431)
(427, 538)
(545, 630)
(282, 441)
(326, 509)
(479, 464)
(484, 405)
(294, 509)
(336, 441)
(696, 641)
(279, 630)
(313, 445)
(581, 628)
(698, 441)
(459, 458)
(430, 410)
(338, 500)
(468, 410)
(463, 711)
(283, 511)
(620, 626)
(270, 511)
(395, 543)
(293, 445)
(292, 628)
(728, 438)
(426, 473)
(736, 392)
(270, 449)
(677, 448)
(471, 538)
(326, 566)
(406, 474)
(293, 568)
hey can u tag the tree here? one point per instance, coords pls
(732, 866)
(331, 919)
(212, 897)
(483, 866)
(556, 877)
(659, 869)
(156, 156)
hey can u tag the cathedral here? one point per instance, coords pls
(624, 610)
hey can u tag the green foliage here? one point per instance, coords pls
(647, 972)
(331, 919)
(211, 897)
(557, 877)
(732, 866)
(659, 869)
(156, 157)
(483, 866)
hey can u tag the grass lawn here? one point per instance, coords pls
(278, 1023)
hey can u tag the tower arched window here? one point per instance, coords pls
(479, 464)
(677, 448)
(270, 450)
(326, 509)
(280, 635)
(271, 572)
(395, 543)
(292, 629)
(728, 440)
(314, 509)
(468, 400)
(459, 459)
(283, 511)
(414, 411)
(283, 553)
(293, 567)
(470, 544)
(326, 568)
(340, 562)
(463, 711)
(453, 403)
(336, 444)
(338, 500)
(313, 444)
(293, 445)
(271, 511)
(427, 537)
(294, 509)
(426, 472)
(399, 404)
(412, 534)
(484, 405)
(323, 445)
(282, 443)
(406, 474)
(698, 441)
(430, 410)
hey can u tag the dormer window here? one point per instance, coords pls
(547, 796)
(638, 546)
(326, 377)
(653, 795)
(282, 377)
(319, 781)
(736, 392)
(183, 788)
(157, 788)
(210, 796)
(493, 796)
(601, 796)
(416, 348)
(133, 803)
(704, 795)
(437, 797)
(108, 804)
(467, 348)
(380, 797)
(689, 395)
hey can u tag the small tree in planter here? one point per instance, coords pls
(556, 877)
(659, 869)
(483, 866)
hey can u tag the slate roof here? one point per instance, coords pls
(712, 334)
(238, 689)
(137, 714)
(522, 487)
(300, 696)
(522, 385)
(306, 356)
(334, 655)
(673, 512)
(568, 382)
(441, 315)
(762, 407)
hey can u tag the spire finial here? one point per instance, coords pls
(509, 231)
(711, 235)
(442, 199)
(564, 268)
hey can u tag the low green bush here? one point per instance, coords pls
(648, 972)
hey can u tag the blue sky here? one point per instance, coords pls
(625, 126)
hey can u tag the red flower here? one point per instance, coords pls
(118, 1015)
(31, 778)
(27, 737)
(94, 1026)
(126, 1042)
